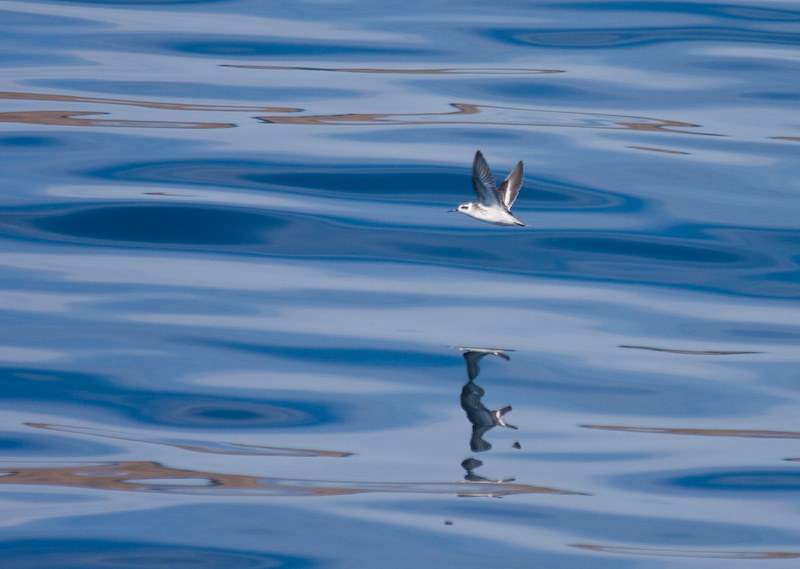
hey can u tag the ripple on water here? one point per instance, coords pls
(104, 554)
(614, 255)
(162, 224)
(590, 38)
(742, 484)
(173, 408)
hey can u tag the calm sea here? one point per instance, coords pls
(240, 328)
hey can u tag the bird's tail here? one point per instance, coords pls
(499, 416)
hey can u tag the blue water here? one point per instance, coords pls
(236, 313)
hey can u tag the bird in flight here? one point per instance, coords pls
(494, 203)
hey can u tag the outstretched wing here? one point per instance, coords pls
(509, 189)
(483, 181)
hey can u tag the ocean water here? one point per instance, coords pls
(241, 329)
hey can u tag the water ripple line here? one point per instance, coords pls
(68, 118)
(447, 71)
(689, 553)
(18, 96)
(148, 476)
(744, 433)
(469, 113)
(195, 446)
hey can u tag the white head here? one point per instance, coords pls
(468, 208)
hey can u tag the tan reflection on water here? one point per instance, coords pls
(475, 71)
(689, 352)
(195, 446)
(691, 553)
(700, 432)
(467, 113)
(146, 104)
(67, 118)
(651, 149)
(143, 476)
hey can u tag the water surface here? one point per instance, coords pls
(241, 330)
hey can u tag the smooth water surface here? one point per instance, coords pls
(240, 328)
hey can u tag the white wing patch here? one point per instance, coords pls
(509, 189)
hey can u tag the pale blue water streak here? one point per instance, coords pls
(233, 299)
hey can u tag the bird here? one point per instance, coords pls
(494, 203)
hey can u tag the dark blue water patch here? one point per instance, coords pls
(26, 142)
(544, 89)
(162, 224)
(702, 263)
(652, 249)
(257, 47)
(380, 358)
(22, 444)
(409, 184)
(190, 90)
(748, 481)
(743, 12)
(376, 182)
(49, 553)
(167, 408)
(771, 95)
(444, 134)
(247, 47)
(594, 38)
(744, 483)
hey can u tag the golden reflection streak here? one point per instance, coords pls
(238, 449)
(691, 553)
(463, 109)
(700, 432)
(690, 352)
(146, 104)
(67, 118)
(792, 138)
(145, 476)
(454, 71)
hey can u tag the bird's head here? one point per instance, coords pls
(465, 208)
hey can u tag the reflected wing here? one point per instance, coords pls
(509, 189)
(473, 369)
(477, 443)
(483, 181)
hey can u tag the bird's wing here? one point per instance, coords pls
(509, 189)
(473, 369)
(483, 182)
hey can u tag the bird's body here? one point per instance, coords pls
(494, 203)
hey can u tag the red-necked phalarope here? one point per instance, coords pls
(494, 203)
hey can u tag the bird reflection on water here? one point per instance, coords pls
(479, 415)
(471, 464)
